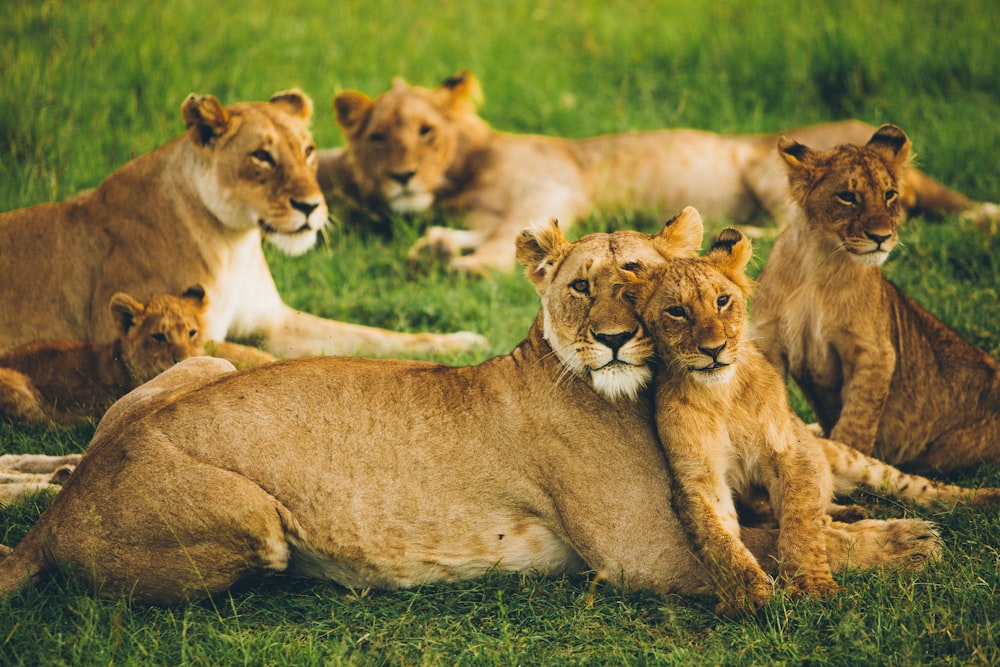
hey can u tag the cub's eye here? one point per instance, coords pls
(426, 130)
(264, 156)
(160, 337)
(631, 267)
(310, 150)
(847, 197)
(192, 333)
(677, 312)
(580, 286)
(376, 137)
(723, 301)
(890, 196)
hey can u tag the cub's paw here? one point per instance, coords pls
(907, 543)
(745, 597)
(818, 584)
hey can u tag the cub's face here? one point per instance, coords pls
(850, 194)
(257, 167)
(592, 330)
(696, 316)
(163, 331)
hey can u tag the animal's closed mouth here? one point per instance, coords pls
(268, 229)
(714, 366)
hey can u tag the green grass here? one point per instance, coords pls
(84, 86)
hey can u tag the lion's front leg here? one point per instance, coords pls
(800, 503)
(443, 245)
(867, 377)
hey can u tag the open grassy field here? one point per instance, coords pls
(85, 86)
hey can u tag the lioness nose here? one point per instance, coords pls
(614, 341)
(402, 177)
(304, 206)
(878, 238)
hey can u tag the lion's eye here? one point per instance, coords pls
(580, 286)
(631, 267)
(723, 301)
(376, 137)
(847, 197)
(192, 333)
(426, 130)
(310, 149)
(677, 312)
(890, 196)
(264, 156)
(160, 337)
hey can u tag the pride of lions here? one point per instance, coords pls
(641, 430)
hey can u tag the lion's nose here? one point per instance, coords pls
(712, 351)
(614, 341)
(402, 177)
(879, 239)
(304, 206)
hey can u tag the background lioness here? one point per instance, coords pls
(192, 211)
(413, 149)
(882, 374)
(393, 473)
(71, 380)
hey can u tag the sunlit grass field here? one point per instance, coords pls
(85, 86)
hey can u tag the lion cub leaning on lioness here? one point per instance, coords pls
(69, 381)
(725, 424)
(882, 374)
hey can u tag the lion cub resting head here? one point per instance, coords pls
(882, 374)
(725, 424)
(69, 380)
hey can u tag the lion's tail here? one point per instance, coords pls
(851, 469)
(23, 565)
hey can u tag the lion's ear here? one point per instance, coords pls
(196, 294)
(892, 145)
(539, 247)
(207, 116)
(350, 108)
(461, 90)
(294, 102)
(681, 235)
(730, 253)
(798, 156)
(125, 309)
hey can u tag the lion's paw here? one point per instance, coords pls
(907, 543)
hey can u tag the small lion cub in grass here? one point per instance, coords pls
(71, 381)
(726, 426)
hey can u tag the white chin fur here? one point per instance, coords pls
(721, 376)
(621, 380)
(872, 258)
(411, 202)
(293, 244)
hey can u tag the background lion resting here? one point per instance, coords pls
(190, 212)
(395, 473)
(414, 149)
(882, 374)
(69, 380)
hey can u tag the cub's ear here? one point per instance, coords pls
(461, 91)
(539, 248)
(730, 253)
(681, 236)
(891, 144)
(350, 109)
(196, 294)
(294, 102)
(795, 154)
(207, 116)
(126, 310)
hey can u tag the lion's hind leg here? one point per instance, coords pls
(20, 400)
(876, 543)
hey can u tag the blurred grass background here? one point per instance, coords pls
(87, 85)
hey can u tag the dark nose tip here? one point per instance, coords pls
(614, 341)
(402, 177)
(878, 238)
(303, 206)
(713, 351)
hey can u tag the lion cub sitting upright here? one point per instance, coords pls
(882, 374)
(726, 425)
(75, 380)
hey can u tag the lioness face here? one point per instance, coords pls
(850, 194)
(592, 330)
(258, 167)
(163, 331)
(403, 143)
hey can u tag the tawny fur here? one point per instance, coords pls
(881, 373)
(192, 211)
(394, 473)
(69, 381)
(417, 149)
